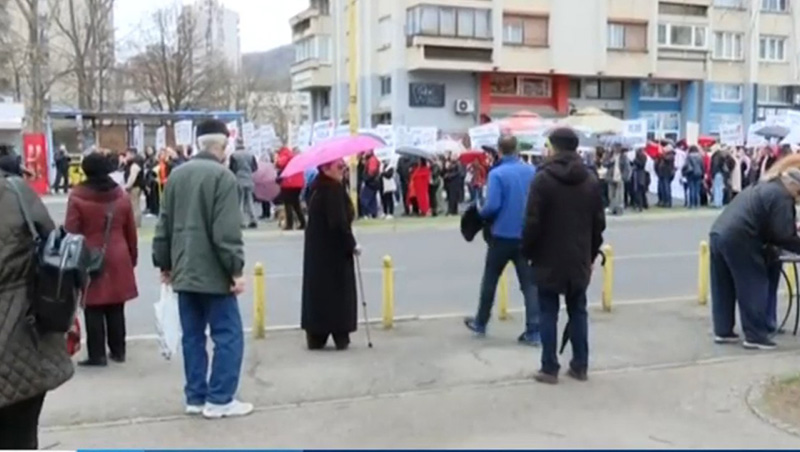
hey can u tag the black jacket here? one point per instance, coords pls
(760, 217)
(564, 223)
(472, 223)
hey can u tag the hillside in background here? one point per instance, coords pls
(270, 68)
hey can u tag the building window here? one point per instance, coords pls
(574, 88)
(728, 3)
(775, 6)
(385, 32)
(603, 89)
(717, 119)
(525, 30)
(726, 92)
(774, 94)
(728, 46)
(524, 86)
(662, 125)
(660, 91)
(622, 36)
(313, 48)
(386, 85)
(772, 49)
(682, 36)
(681, 9)
(447, 21)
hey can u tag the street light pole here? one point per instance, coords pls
(352, 74)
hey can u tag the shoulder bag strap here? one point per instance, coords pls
(26, 215)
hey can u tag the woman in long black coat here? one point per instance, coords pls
(330, 305)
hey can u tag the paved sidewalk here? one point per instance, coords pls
(657, 381)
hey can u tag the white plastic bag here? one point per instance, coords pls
(168, 322)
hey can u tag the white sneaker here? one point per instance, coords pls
(233, 409)
(389, 217)
(194, 410)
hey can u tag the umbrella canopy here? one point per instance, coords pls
(773, 131)
(468, 157)
(595, 119)
(266, 187)
(447, 145)
(525, 114)
(514, 124)
(411, 151)
(331, 150)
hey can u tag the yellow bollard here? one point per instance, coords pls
(502, 294)
(259, 302)
(703, 273)
(388, 292)
(790, 275)
(608, 278)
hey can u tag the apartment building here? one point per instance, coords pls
(217, 29)
(450, 62)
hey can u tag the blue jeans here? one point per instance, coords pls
(369, 201)
(221, 314)
(578, 329)
(476, 194)
(718, 187)
(694, 192)
(737, 277)
(499, 253)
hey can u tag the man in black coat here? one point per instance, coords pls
(564, 224)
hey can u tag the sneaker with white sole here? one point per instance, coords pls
(765, 344)
(233, 409)
(194, 410)
(732, 338)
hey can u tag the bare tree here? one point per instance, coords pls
(169, 70)
(88, 28)
(279, 110)
(35, 14)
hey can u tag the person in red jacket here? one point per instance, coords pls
(94, 205)
(291, 188)
(419, 188)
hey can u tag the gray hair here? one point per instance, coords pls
(206, 143)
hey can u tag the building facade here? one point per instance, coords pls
(217, 30)
(449, 62)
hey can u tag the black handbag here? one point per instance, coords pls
(97, 257)
(60, 273)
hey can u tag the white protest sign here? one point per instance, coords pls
(321, 131)
(138, 137)
(424, 137)
(386, 132)
(635, 132)
(486, 135)
(692, 133)
(233, 135)
(731, 134)
(754, 139)
(267, 137)
(342, 131)
(183, 133)
(161, 138)
(302, 137)
(249, 138)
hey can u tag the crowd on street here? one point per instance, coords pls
(545, 214)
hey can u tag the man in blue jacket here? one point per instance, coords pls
(507, 196)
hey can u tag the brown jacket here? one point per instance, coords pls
(29, 365)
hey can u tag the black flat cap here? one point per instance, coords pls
(212, 127)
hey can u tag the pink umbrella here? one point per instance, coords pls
(331, 150)
(265, 180)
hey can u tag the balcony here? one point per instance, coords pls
(312, 25)
(310, 74)
(448, 54)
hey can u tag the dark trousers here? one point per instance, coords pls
(387, 201)
(452, 200)
(265, 210)
(151, 197)
(62, 181)
(434, 200)
(220, 314)
(19, 424)
(369, 201)
(291, 203)
(317, 341)
(665, 192)
(738, 275)
(499, 253)
(578, 329)
(695, 187)
(105, 324)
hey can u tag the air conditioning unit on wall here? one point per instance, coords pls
(464, 106)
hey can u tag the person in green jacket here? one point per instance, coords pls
(198, 247)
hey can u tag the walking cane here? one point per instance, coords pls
(363, 301)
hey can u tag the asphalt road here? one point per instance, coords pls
(438, 273)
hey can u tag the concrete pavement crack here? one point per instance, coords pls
(477, 355)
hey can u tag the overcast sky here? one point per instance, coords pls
(264, 24)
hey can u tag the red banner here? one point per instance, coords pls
(35, 160)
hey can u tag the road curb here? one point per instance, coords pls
(752, 399)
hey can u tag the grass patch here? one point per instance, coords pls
(782, 399)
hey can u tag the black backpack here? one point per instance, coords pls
(61, 272)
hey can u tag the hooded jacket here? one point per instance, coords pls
(564, 223)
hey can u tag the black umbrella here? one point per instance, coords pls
(415, 152)
(773, 131)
